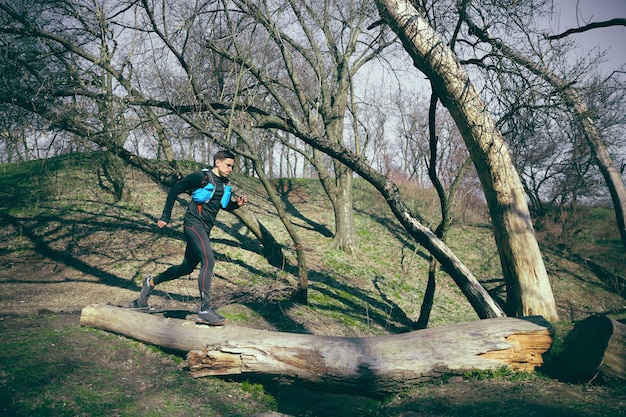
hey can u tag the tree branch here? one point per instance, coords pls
(593, 25)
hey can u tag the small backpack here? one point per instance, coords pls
(204, 194)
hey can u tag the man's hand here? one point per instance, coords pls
(242, 200)
(161, 224)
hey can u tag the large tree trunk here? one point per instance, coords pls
(368, 365)
(338, 188)
(113, 171)
(528, 287)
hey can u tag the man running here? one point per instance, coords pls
(198, 222)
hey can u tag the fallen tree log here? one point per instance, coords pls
(372, 365)
(596, 346)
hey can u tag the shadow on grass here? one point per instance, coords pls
(71, 229)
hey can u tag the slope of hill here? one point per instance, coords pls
(66, 244)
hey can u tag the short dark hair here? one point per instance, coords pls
(224, 154)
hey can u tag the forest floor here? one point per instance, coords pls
(75, 248)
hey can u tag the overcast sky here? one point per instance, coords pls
(613, 38)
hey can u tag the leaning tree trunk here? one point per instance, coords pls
(601, 155)
(528, 287)
(365, 365)
(478, 297)
(303, 273)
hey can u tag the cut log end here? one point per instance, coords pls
(526, 351)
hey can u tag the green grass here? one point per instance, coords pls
(67, 370)
(501, 373)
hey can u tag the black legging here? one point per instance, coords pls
(198, 251)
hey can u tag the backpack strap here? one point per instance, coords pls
(208, 177)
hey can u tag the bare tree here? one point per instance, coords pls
(310, 56)
(62, 80)
(23, 136)
(446, 199)
(528, 286)
(434, 143)
(583, 118)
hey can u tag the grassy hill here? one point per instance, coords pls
(66, 244)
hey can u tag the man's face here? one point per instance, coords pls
(224, 166)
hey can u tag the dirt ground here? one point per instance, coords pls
(35, 287)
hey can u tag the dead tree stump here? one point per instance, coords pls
(596, 346)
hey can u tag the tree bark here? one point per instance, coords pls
(596, 345)
(368, 365)
(345, 230)
(528, 287)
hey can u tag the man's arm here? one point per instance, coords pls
(189, 183)
(235, 204)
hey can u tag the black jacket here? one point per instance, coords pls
(198, 214)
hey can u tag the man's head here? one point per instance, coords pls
(223, 162)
